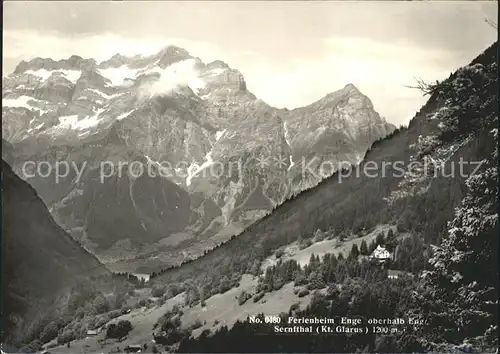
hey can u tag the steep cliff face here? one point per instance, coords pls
(39, 259)
(175, 155)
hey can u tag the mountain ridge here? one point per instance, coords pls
(77, 62)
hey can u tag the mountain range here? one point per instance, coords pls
(164, 156)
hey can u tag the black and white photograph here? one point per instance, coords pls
(249, 177)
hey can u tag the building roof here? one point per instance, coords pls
(380, 252)
(391, 272)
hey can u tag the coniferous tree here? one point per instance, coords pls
(354, 251)
(459, 296)
(380, 239)
(461, 290)
(363, 249)
(391, 240)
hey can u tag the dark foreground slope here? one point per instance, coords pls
(457, 124)
(40, 260)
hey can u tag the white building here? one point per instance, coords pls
(92, 332)
(396, 274)
(380, 254)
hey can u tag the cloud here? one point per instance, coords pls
(28, 44)
(380, 70)
(183, 73)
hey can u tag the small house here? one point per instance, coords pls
(380, 255)
(133, 348)
(92, 332)
(397, 274)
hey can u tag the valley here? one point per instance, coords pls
(220, 309)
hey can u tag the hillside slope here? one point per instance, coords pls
(348, 202)
(450, 301)
(40, 260)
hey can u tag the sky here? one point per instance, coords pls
(290, 53)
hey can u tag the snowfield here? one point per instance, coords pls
(71, 75)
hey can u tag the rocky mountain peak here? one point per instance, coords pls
(35, 64)
(351, 88)
(171, 54)
(346, 91)
(348, 95)
(217, 64)
(115, 61)
(74, 62)
(174, 50)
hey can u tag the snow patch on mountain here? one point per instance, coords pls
(287, 135)
(72, 122)
(194, 169)
(289, 142)
(124, 115)
(35, 128)
(219, 134)
(118, 76)
(68, 120)
(165, 171)
(71, 75)
(103, 94)
(292, 163)
(23, 102)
